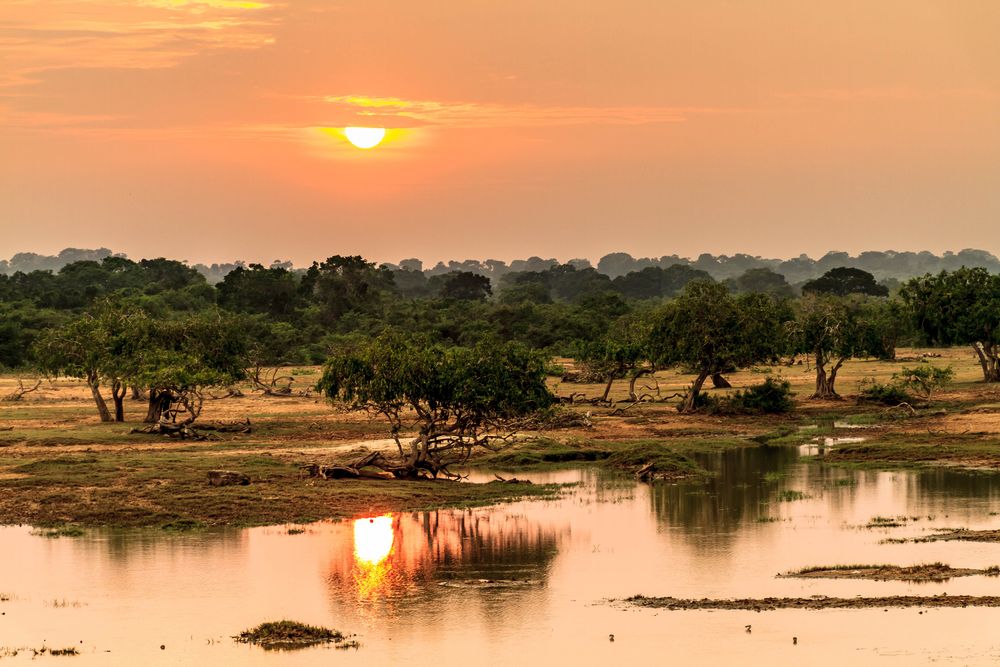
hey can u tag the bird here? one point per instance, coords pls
(611, 638)
(795, 640)
(748, 629)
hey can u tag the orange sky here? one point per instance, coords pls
(565, 128)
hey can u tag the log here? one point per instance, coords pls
(645, 473)
(227, 478)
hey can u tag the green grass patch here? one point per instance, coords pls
(288, 634)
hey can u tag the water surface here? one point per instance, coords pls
(527, 583)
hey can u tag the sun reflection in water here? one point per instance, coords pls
(373, 541)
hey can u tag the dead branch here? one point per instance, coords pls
(269, 383)
(512, 480)
(21, 390)
(231, 392)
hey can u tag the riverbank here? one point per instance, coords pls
(59, 464)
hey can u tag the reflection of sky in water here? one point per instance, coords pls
(522, 584)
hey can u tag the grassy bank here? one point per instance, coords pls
(170, 489)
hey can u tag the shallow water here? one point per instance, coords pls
(527, 583)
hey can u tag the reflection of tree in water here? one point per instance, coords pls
(386, 557)
(737, 493)
(122, 546)
(940, 488)
(740, 493)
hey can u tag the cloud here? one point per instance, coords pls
(41, 35)
(393, 111)
(891, 93)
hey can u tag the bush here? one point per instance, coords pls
(893, 393)
(769, 397)
(925, 379)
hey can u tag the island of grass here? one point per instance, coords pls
(925, 572)
(291, 635)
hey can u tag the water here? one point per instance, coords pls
(527, 583)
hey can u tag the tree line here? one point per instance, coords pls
(889, 266)
(299, 317)
(465, 359)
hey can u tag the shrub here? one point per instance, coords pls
(769, 397)
(871, 391)
(925, 379)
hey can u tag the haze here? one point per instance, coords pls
(204, 129)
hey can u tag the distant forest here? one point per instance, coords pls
(889, 267)
(299, 315)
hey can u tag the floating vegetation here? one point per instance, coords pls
(817, 602)
(490, 583)
(925, 572)
(292, 635)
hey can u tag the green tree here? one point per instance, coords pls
(761, 281)
(843, 281)
(654, 282)
(709, 331)
(181, 358)
(461, 398)
(270, 291)
(959, 308)
(833, 330)
(102, 347)
(622, 352)
(462, 285)
(344, 284)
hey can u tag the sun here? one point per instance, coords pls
(365, 137)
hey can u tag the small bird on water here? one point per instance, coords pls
(611, 638)
(748, 629)
(795, 640)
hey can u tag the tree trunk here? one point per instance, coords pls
(987, 353)
(826, 382)
(692, 396)
(102, 407)
(607, 388)
(118, 396)
(159, 401)
(631, 385)
(720, 382)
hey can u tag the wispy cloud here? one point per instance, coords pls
(393, 110)
(891, 93)
(41, 35)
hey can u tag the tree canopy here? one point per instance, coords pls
(458, 398)
(843, 281)
(708, 331)
(959, 308)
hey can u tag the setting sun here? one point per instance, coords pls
(365, 137)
